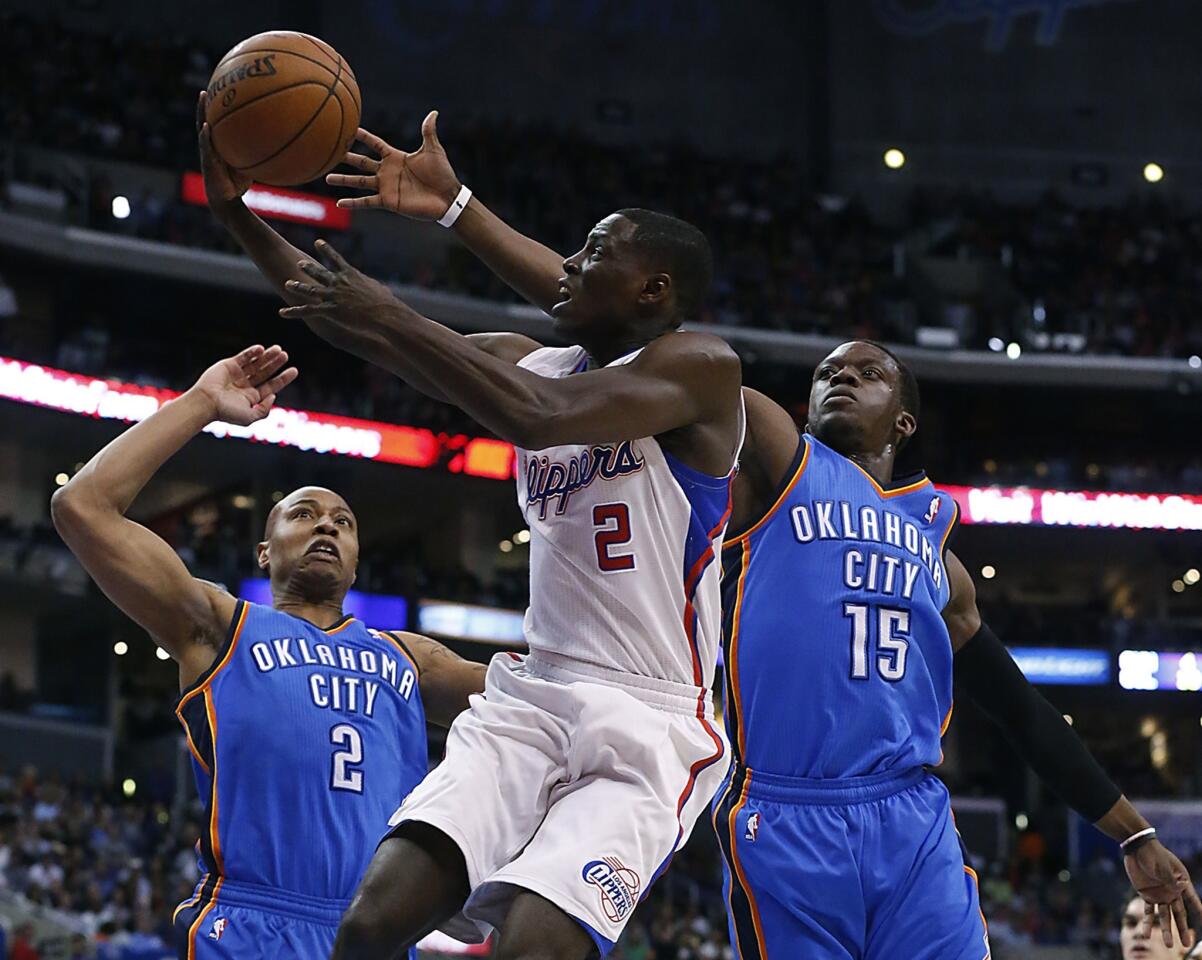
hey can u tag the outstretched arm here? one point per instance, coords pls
(675, 382)
(135, 568)
(422, 185)
(988, 674)
(446, 680)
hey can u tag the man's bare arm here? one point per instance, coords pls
(446, 679)
(134, 567)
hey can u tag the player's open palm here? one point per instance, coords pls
(223, 184)
(420, 185)
(1164, 883)
(243, 388)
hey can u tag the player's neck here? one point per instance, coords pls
(878, 465)
(323, 614)
(603, 353)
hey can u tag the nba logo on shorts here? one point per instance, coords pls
(619, 885)
(218, 930)
(932, 510)
(753, 827)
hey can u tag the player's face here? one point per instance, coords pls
(855, 398)
(602, 282)
(312, 542)
(1138, 947)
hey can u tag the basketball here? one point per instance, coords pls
(283, 107)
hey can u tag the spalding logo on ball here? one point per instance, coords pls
(283, 108)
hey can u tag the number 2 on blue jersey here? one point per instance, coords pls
(345, 774)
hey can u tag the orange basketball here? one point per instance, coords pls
(283, 107)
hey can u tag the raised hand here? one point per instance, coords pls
(243, 388)
(223, 184)
(421, 185)
(339, 292)
(1165, 885)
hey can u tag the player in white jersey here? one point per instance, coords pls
(568, 785)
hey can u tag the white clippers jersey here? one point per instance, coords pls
(623, 546)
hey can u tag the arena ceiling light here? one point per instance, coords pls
(121, 648)
(1013, 351)
(988, 571)
(1192, 576)
(1153, 172)
(121, 208)
(894, 158)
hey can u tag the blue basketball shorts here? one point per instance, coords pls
(864, 869)
(225, 920)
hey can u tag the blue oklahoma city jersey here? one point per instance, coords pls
(839, 663)
(302, 740)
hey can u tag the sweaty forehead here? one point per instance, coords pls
(614, 226)
(320, 497)
(859, 353)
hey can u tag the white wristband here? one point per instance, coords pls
(448, 219)
(1147, 832)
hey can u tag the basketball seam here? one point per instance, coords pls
(324, 66)
(341, 62)
(296, 136)
(271, 93)
(341, 118)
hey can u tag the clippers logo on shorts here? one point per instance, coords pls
(619, 886)
(753, 827)
(932, 510)
(548, 480)
(218, 930)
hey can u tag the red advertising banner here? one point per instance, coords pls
(303, 430)
(277, 203)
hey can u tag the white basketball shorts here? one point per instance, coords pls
(573, 782)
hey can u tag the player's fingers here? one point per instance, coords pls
(1179, 917)
(373, 142)
(271, 361)
(1149, 913)
(249, 355)
(430, 130)
(1165, 916)
(200, 110)
(324, 247)
(353, 180)
(304, 289)
(303, 311)
(317, 271)
(352, 203)
(1192, 900)
(277, 383)
(361, 162)
(263, 407)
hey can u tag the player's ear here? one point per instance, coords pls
(656, 289)
(905, 425)
(261, 555)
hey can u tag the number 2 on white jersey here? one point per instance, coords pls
(608, 537)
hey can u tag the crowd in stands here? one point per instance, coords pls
(1126, 280)
(108, 872)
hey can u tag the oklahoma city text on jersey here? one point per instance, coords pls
(874, 571)
(333, 691)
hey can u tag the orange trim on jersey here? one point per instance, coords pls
(192, 931)
(342, 626)
(950, 527)
(195, 753)
(801, 467)
(214, 836)
(195, 897)
(742, 877)
(220, 666)
(985, 923)
(947, 720)
(732, 655)
(400, 648)
(889, 494)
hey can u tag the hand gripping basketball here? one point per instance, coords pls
(421, 184)
(222, 183)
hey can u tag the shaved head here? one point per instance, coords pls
(301, 493)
